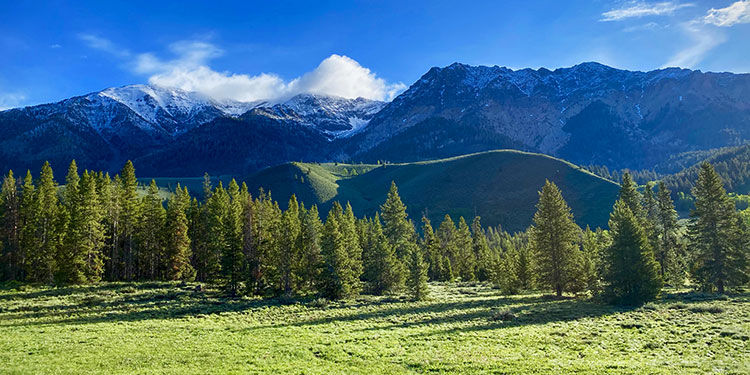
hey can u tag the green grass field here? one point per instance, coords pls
(500, 186)
(464, 329)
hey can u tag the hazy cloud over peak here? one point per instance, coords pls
(189, 70)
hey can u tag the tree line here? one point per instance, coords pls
(97, 227)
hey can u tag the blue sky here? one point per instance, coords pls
(258, 50)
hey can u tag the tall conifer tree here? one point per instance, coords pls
(382, 268)
(630, 196)
(671, 261)
(632, 272)
(311, 257)
(149, 235)
(217, 207)
(554, 239)
(70, 258)
(110, 200)
(482, 251)
(177, 246)
(465, 261)
(130, 217)
(10, 220)
(92, 238)
(233, 259)
(46, 219)
(288, 245)
(431, 249)
(417, 277)
(336, 279)
(446, 235)
(396, 226)
(27, 213)
(714, 234)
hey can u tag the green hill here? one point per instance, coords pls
(500, 186)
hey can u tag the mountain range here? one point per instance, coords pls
(588, 114)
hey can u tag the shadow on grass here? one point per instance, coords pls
(112, 302)
(473, 314)
(119, 302)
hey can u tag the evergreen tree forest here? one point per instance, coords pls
(95, 227)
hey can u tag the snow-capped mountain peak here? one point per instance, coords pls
(148, 101)
(333, 115)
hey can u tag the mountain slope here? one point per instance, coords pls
(104, 129)
(589, 114)
(500, 186)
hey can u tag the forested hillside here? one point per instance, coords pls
(500, 186)
(732, 164)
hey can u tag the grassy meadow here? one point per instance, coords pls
(144, 328)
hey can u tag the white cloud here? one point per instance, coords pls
(342, 76)
(336, 75)
(738, 12)
(222, 85)
(103, 44)
(189, 70)
(11, 100)
(641, 9)
(703, 41)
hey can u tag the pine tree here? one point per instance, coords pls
(506, 273)
(262, 247)
(446, 235)
(348, 227)
(311, 259)
(250, 246)
(630, 196)
(431, 249)
(482, 252)
(382, 268)
(417, 280)
(671, 263)
(396, 226)
(177, 242)
(587, 275)
(27, 229)
(206, 264)
(465, 262)
(10, 219)
(335, 281)
(46, 221)
(525, 261)
(130, 217)
(650, 207)
(110, 200)
(554, 239)
(92, 233)
(70, 257)
(149, 235)
(632, 274)
(714, 234)
(230, 206)
(217, 207)
(289, 251)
